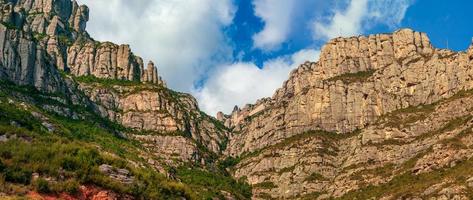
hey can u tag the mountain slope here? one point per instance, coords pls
(114, 127)
(372, 108)
(384, 116)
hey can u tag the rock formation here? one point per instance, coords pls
(44, 44)
(385, 116)
(356, 80)
(370, 109)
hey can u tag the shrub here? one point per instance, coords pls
(353, 77)
(6, 154)
(228, 162)
(212, 183)
(71, 187)
(2, 166)
(265, 185)
(18, 175)
(70, 164)
(42, 186)
(315, 177)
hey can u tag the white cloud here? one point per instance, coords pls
(243, 82)
(359, 16)
(184, 37)
(276, 15)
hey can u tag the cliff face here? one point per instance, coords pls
(373, 111)
(356, 80)
(418, 152)
(155, 109)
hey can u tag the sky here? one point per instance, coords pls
(233, 52)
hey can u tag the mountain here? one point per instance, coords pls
(384, 116)
(81, 117)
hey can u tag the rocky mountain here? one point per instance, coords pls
(101, 96)
(384, 116)
(45, 45)
(374, 117)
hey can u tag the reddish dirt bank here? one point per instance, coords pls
(85, 193)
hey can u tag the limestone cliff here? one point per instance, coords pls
(372, 112)
(355, 81)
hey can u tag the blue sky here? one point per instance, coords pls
(233, 52)
(442, 20)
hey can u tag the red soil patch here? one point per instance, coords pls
(85, 193)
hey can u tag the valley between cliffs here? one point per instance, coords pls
(384, 116)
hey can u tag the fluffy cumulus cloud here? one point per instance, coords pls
(276, 15)
(184, 37)
(359, 15)
(243, 82)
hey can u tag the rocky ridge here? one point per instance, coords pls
(384, 116)
(44, 44)
(370, 109)
(356, 80)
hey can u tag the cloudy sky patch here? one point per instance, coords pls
(233, 52)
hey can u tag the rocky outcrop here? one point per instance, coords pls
(104, 60)
(173, 150)
(23, 62)
(54, 32)
(356, 80)
(121, 175)
(111, 61)
(155, 109)
(382, 161)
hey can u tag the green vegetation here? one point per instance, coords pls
(328, 142)
(39, 36)
(77, 163)
(451, 125)
(406, 184)
(286, 169)
(10, 26)
(35, 13)
(228, 162)
(311, 196)
(265, 185)
(407, 116)
(211, 184)
(65, 40)
(458, 95)
(315, 177)
(42, 186)
(353, 77)
(73, 151)
(108, 82)
(383, 171)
